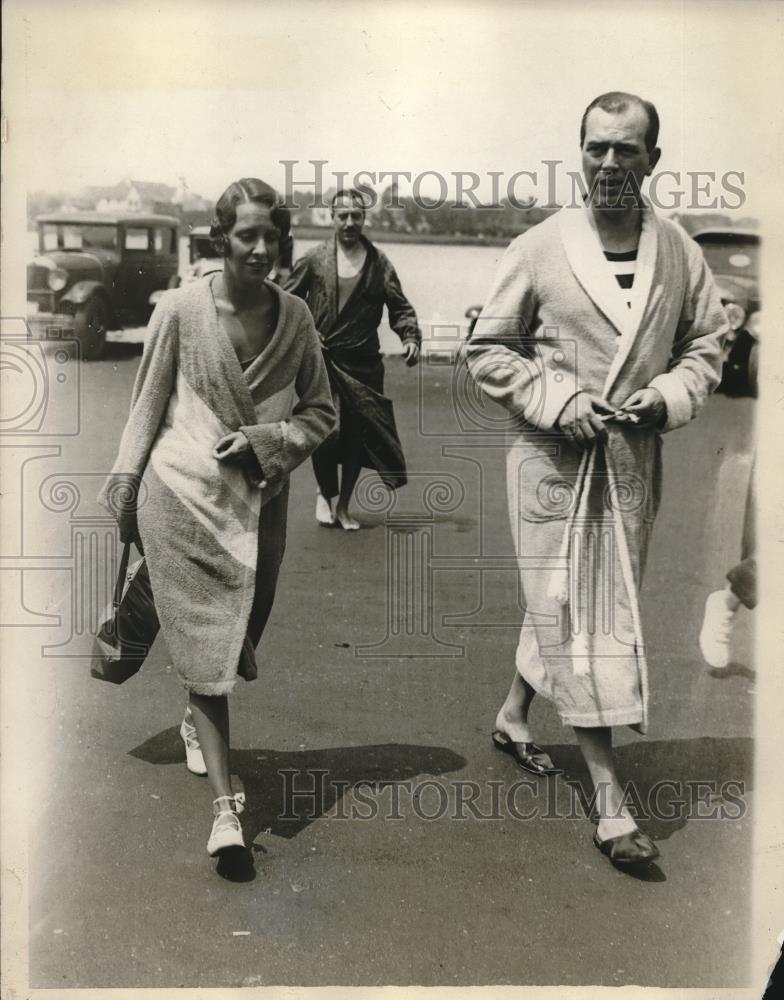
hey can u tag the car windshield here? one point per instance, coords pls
(75, 236)
(202, 246)
(731, 254)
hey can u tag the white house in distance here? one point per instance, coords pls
(187, 200)
(132, 196)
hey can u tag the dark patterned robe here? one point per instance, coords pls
(350, 343)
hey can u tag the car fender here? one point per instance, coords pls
(82, 291)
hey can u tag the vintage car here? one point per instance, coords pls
(97, 272)
(733, 257)
(202, 254)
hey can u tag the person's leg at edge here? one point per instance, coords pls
(596, 746)
(512, 718)
(722, 605)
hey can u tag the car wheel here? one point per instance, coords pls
(90, 329)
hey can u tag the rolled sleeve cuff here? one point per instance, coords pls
(676, 399)
(267, 442)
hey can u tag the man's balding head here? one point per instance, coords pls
(617, 101)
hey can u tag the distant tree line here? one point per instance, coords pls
(406, 215)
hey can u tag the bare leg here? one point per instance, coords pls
(325, 468)
(512, 718)
(211, 718)
(596, 746)
(352, 466)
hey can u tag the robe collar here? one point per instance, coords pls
(586, 258)
(331, 276)
(237, 406)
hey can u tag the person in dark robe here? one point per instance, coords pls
(346, 281)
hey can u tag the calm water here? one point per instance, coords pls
(441, 282)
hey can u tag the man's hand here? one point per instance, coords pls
(412, 354)
(648, 406)
(581, 420)
(231, 448)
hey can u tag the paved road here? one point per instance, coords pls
(358, 886)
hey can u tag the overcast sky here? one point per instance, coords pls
(212, 91)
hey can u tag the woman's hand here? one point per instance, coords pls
(235, 448)
(232, 448)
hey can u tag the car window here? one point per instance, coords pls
(73, 236)
(726, 254)
(137, 239)
(163, 241)
(88, 237)
(99, 237)
(202, 246)
(49, 237)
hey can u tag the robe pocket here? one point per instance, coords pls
(542, 487)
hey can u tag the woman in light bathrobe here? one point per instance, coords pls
(231, 395)
(557, 323)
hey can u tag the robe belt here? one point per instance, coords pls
(565, 578)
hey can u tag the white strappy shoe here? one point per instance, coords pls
(226, 827)
(194, 760)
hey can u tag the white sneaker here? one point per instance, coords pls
(194, 759)
(226, 827)
(716, 630)
(324, 513)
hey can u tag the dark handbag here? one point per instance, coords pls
(130, 626)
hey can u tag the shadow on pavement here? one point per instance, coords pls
(733, 670)
(287, 790)
(671, 782)
(650, 872)
(668, 783)
(236, 866)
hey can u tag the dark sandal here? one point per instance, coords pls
(529, 756)
(633, 848)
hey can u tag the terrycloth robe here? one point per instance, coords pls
(198, 517)
(352, 349)
(556, 322)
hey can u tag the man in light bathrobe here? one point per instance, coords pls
(603, 330)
